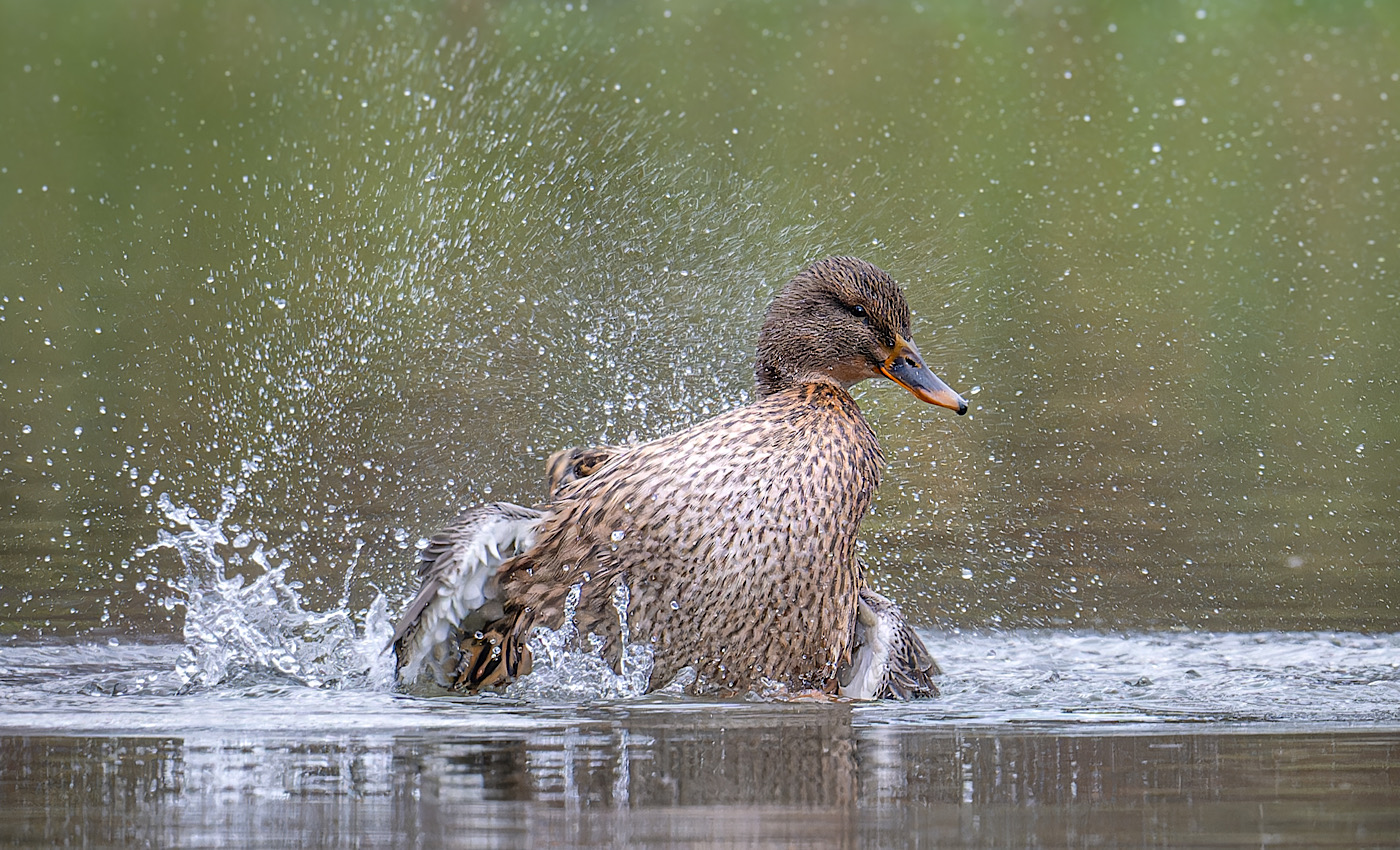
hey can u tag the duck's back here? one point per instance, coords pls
(735, 540)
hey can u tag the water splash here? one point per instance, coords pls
(569, 667)
(622, 598)
(240, 632)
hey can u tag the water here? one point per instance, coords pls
(1041, 739)
(254, 640)
(284, 286)
(1076, 684)
(266, 727)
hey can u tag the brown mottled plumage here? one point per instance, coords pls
(758, 590)
(885, 657)
(734, 538)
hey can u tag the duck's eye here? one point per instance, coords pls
(859, 312)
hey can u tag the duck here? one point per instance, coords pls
(886, 659)
(731, 544)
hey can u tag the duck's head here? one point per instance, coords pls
(844, 320)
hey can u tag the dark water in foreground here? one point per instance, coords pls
(1042, 739)
(623, 778)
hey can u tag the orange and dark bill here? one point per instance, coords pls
(905, 366)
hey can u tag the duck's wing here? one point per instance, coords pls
(487, 650)
(458, 590)
(888, 658)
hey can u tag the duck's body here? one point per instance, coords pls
(885, 658)
(755, 579)
(729, 546)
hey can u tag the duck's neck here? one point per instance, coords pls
(768, 381)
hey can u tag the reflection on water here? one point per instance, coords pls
(1040, 739)
(794, 777)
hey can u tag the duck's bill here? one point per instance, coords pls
(906, 367)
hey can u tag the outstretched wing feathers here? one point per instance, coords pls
(458, 572)
(888, 658)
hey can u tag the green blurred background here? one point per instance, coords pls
(348, 267)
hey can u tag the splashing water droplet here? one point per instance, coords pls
(570, 667)
(621, 600)
(240, 632)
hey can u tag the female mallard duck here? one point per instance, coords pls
(734, 539)
(886, 658)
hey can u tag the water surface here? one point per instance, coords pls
(1040, 739)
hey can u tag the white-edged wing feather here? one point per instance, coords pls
(888, 659)
(458, 574)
